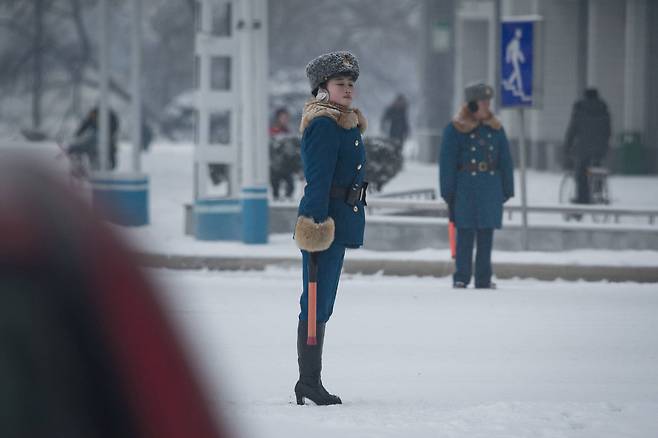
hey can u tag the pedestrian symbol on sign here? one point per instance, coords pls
(517, 59)
(514, 55)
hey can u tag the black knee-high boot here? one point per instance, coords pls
(309, 358)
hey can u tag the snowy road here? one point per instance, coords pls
(410, 357)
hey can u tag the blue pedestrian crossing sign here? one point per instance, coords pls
(519, 69)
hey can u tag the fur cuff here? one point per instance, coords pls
(314, 237)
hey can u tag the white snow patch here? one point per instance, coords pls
(412, 357)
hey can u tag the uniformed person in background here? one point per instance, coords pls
(476, 178)
(331, 213)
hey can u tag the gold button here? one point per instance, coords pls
(359, 167)
(356, 142)
(356, 209)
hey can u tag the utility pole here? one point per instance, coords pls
(436, 57)
(103, 110)
(136, 34)
(37, 73)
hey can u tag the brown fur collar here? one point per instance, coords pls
(347, 118)
(465, 122)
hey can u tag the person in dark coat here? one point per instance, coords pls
(394, 121)
(476, 178)
(331, 214)
(86, 139)
(587, 139)
(280, 124)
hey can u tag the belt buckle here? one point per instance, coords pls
(482, 166)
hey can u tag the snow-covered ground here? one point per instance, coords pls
(412, 358)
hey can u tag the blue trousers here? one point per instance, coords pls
(464, 257)
(330, 264)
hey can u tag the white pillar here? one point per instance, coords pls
(261, 103)
(247, 84)
(103, 113)
(217, 56)
(635, 65)
(254, 107)
(254, 142)
(136, 57)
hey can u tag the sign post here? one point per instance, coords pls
(519, 86)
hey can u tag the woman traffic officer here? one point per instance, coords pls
(331, 213)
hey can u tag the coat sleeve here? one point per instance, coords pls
(448, 164)
(319, 155)
(506, 167)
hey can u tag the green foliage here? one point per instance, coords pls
(285, 155)
(383, 160)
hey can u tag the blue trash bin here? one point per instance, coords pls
(255, 215)
(121, 198)
(218, 219)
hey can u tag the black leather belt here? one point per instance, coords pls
(351, 195)
(482, 166)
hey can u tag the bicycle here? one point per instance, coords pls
(599, 191)
(78, 165)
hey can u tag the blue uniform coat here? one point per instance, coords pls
(333, 156)
(475, 195)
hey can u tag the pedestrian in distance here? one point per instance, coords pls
(587, 140)
(87, 139)
(476, 178)
(280, 125)
(394, 122)
(331, 214)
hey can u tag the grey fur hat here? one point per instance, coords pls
(478, 91)
(326, 66)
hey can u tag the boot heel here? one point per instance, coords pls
(300, 399)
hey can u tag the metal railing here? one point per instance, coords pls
(380, 202)
(419, 201)
(409, 194)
